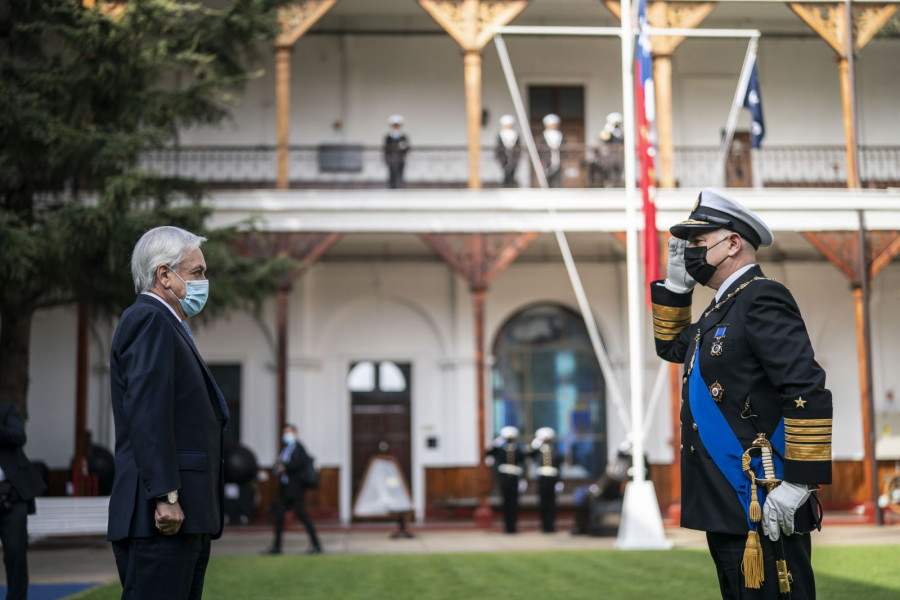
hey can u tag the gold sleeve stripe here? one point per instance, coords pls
(671, 313)
(667, 333)
(807, 422)
(808, 430)
(808, 439)
(670, 327)
(807, 452)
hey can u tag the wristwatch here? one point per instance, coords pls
(170, 498)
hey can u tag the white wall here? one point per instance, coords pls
(365, 78)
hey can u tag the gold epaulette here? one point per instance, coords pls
(669, 321)
(807, 439)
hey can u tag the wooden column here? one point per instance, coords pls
(82, 437)
(295, 20)
(830, 21)
(471, 24)
(281, 356)
(666, 15)
(479, 258)
(860, 256)
(306, 249)
(282, 112)
(472, 75)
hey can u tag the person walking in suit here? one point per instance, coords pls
(289, 469)
(167, 497)
(508, 149)
(20, 482)
(547, 460)
(756, 417)
(396, 145)
(508, 459)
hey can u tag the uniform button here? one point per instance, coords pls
(692, 450)
(684, 380)
(681, 447)
(694, 427)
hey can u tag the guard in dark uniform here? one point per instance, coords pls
(508, 460)
(547, 460)
(396, 145)
(755, 416)
(508, 149)
(553, 140)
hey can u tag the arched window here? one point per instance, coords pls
(546, 375)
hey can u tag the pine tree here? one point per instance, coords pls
(84, 92)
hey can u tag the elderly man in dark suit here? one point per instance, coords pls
(755, 416)
(19, 484)
(167, 497)
(292, 463)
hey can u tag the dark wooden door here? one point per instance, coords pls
(381, 417)
(567, 102)
(738, 164)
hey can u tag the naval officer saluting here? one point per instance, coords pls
(756, 416)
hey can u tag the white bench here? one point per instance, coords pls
(81, 515)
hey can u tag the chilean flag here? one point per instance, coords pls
(645, 117)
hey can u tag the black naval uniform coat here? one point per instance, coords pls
(762, 363)
(509, 465)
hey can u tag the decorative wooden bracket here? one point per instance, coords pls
(668, 15)
(842, 249)
(296, 19)
(305, 248)
(478, 257)
(113, 9)
(471, 23)
(829, 21)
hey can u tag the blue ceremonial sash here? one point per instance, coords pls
(723, 446)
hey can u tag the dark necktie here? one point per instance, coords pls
(188, 329)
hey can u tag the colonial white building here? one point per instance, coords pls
(374, 348)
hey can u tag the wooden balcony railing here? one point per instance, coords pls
(357, 166)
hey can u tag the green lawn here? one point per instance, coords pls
(868, 572)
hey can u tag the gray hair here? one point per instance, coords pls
(160, 246)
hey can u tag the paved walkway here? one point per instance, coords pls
(90, 559)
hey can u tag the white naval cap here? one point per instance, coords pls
(395, 120)
(614, 118)
(509, 432)
(507, 120)
(545, 433)
(715, 210)
(551, 119)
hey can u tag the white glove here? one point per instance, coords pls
(489, 461)
(677, 278)
(499, 441)
(779, 508)
(536, 443)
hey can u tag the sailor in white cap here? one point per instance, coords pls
(553, 138)
(547, 460)
(396, 145)
(756, 417)
(508, 459)
(508, 149)
(606, 170)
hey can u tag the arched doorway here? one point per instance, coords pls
(545, 374)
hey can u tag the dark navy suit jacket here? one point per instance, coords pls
(170, 417)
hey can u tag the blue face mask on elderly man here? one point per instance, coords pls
(196, 294)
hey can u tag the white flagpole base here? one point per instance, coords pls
(641, 525)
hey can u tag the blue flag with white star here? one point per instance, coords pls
(753, 103)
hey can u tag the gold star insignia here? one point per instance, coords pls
(801, 403)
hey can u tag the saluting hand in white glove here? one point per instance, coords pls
(677, 278)
(779, 508)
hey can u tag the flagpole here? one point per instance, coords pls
(739, 93)
(640, 526)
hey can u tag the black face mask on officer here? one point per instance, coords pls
(695, 262)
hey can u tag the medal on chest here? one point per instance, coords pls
(718, 346)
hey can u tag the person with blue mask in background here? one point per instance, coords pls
(290, 469)
(167, 497)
